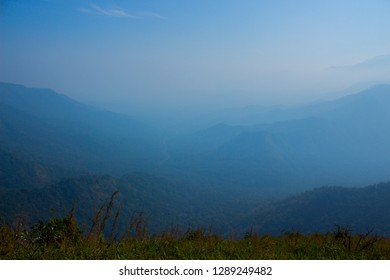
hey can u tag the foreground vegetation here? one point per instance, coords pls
(61, 238)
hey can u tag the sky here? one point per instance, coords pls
(159, 54)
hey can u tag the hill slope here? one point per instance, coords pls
(56, 129)
(160, 200)
(320, 210)
(341, 142)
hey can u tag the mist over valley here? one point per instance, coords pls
(57, 152)
(258, 117)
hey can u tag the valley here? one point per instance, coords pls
(304, 168)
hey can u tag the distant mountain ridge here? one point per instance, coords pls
(252, 116)
(344, 142)
(55, 152)
(57, 129)
(380, 61)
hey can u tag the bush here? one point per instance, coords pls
(56, 231)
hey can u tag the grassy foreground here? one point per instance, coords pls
(61, 239)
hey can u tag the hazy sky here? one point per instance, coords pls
(180, 52)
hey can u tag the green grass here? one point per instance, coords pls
(61, 239)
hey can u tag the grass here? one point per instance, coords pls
(62, 239)
(65, 243)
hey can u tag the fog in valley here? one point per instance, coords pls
(265, 114)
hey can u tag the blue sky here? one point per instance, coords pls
(151, 53)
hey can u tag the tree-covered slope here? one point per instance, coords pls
(160, 201)
(58, 130)
(342, 142)
(320, 210)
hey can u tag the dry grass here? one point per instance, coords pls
(61, 238)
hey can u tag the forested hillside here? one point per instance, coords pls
(339, 142)
(361, 210)
(57, 130)
(58, 154)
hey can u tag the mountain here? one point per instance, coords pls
(343, 142)
(320, 210)
(55, 129)
(47, 141)
(254, 115)
(167, 206)
(160, 200)
(380, 62)
(54, 151)
(19, 172)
